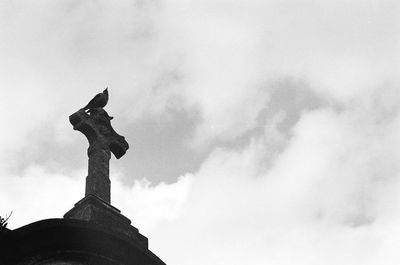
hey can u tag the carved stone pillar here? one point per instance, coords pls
(98, 182)
(96, 207)
(103, 141)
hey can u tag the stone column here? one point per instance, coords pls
(98, 182)
(103, 141)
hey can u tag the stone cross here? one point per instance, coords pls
(103, 140)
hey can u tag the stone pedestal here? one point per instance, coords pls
(102, 214)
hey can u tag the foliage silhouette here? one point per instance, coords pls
(4, 221)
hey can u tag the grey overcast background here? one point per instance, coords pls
(261, 132)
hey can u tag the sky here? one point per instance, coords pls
(260, 132)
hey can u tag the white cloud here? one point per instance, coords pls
(215, 56)
(330, 198)
(148, 205)
(38, 194)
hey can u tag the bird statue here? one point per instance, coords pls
(99, 101)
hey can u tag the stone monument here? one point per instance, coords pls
(93, 231)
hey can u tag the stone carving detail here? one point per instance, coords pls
(103, 140)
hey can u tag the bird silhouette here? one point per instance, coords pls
(99, 101)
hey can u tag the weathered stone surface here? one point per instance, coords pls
(102, 214)
(103, 141)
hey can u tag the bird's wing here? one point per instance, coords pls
(96, 98)
(94, 101)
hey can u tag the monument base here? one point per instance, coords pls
(100, 213)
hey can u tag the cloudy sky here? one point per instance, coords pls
(261, 132)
